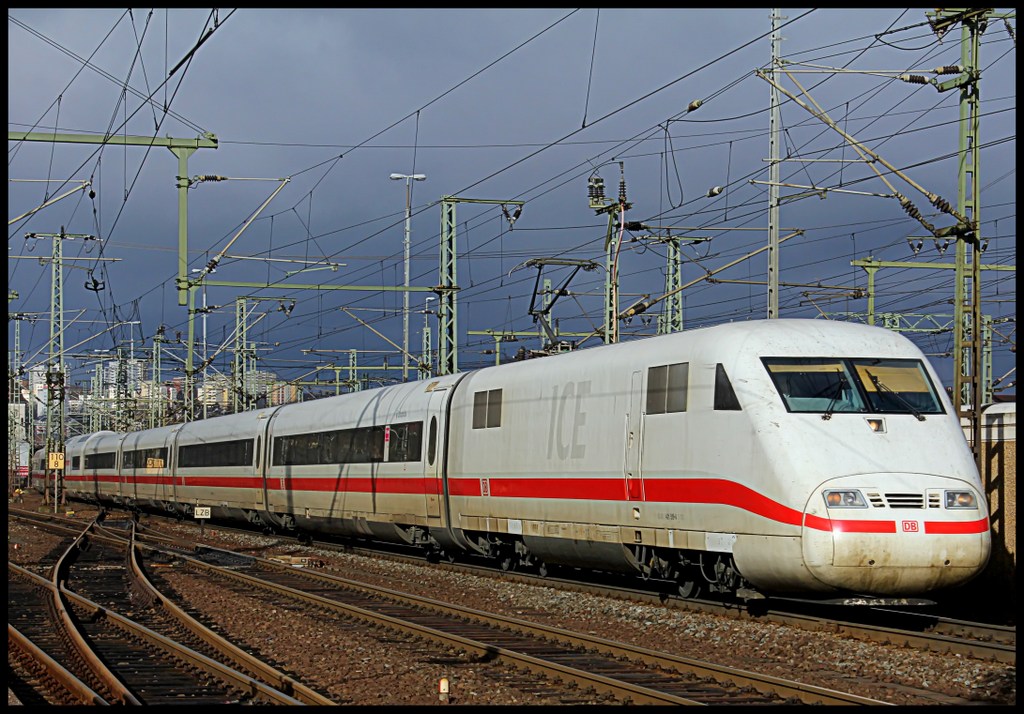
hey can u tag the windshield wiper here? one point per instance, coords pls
(835, 395)
(879, 386)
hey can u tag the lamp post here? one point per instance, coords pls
(405, 295)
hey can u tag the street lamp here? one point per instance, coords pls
(405, 295)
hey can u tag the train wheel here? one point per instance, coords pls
(542, 569)
(507, 561)
(688, 588)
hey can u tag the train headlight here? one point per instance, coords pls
(961, 499)
(846, 498)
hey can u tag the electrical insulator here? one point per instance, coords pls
(694, 105)
(908, 207)
(942, 204)
(914, 78)
(948, 69)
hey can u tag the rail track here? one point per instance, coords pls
(906, 627)
(583, 664)
(78, 650)
(629, 674)
(592, 665)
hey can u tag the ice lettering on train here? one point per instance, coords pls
(567, 419)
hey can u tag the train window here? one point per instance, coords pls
(406, 443)
(487, 409)
(479, 410)
(218, 453)
(832, 384)
(898, 385)
(348, 446)
(367, 446)
(725, 396)
(432, 441)
(101, 461)
(74, 462)
(493, 408)
(815, 384)
(307, 449)
(145, 459)
(656, 381)
(667, 388)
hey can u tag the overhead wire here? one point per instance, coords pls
(546, 144)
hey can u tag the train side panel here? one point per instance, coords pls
(358, 464)
(215, 465)
(539, 456)
(99, 461)
(146, 475)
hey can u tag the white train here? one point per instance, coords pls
(796, 457)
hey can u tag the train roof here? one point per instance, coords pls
(777, 338)
(796, 334)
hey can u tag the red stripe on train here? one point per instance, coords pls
(956, 527)
(683, 491)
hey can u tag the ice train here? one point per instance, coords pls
(773, 457)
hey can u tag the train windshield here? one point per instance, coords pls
(829, 384)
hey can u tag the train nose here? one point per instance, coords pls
(919, 533)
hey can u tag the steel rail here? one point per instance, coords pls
(281, 681)
(734, 677)
(54, 669)
(195, 659)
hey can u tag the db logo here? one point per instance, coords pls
(910, 526)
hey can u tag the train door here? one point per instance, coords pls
(261, 482)
(126, 477)
(433, 450)
(634, 434)
(121, 483)
(172, 462)
(264, 454)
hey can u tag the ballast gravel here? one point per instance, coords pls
(358, 665)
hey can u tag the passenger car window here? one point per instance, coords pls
(667, 388)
